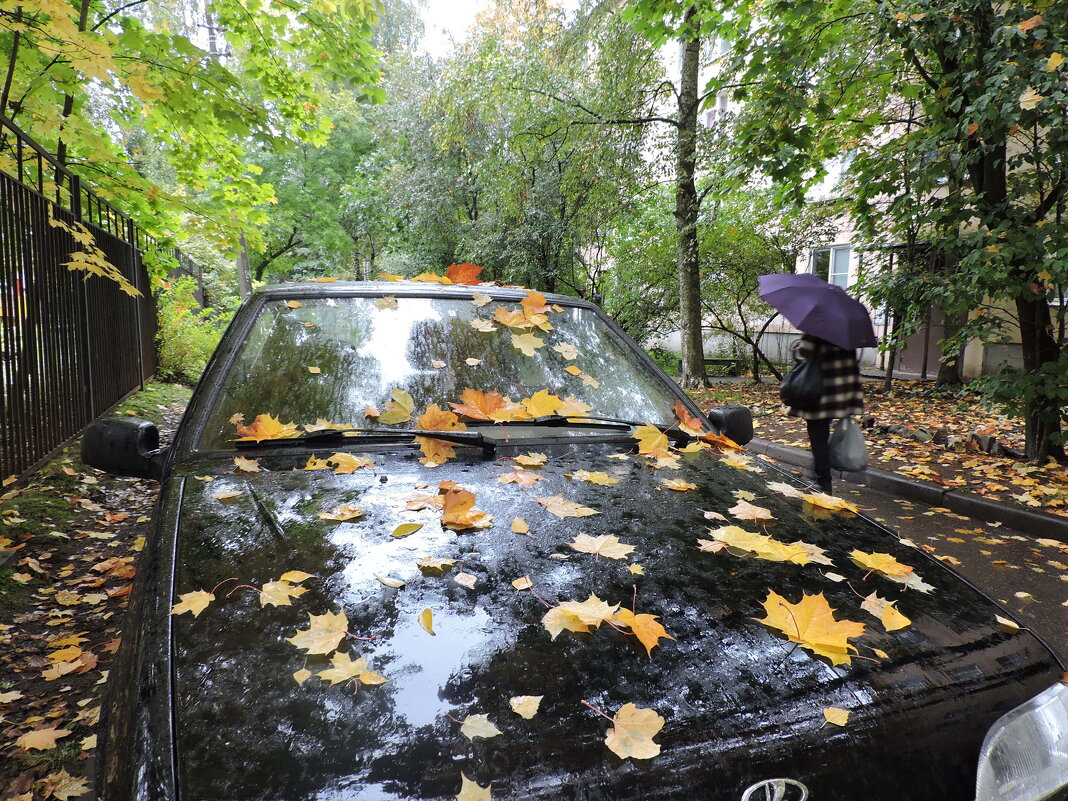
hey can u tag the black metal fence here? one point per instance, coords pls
(71, 344)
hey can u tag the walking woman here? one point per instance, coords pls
(842, 397)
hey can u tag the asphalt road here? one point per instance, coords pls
(1028, 575)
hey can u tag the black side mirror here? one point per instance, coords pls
(126, 446)
(735, 422)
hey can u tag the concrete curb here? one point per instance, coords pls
(1035, 523)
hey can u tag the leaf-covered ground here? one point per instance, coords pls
(68, 547)
(914, 406)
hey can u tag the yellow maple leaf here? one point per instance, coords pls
(316, 464)
(524, 478)
(527, 343)
(520, 526)
(837, 716)
(541, 403)
(278, 593)
(478, 726)
(811, 624)
(472, 791)
(195, 602)
(557, 620)
(243, 465)
(567, 350)
(266, 426)
(573, 407)
(598, 477)
(885, 610)
(480, 405)
(760, 545)
(343, 668)
(41, 739)
(677, 484)
(483, 326)
(651, 441)
(342, 513)
(459, 512)
(62, 785)
(744, 510)
(323, 634)
(348, 463)
(820, 500)
(645, 627)
(632, 733)
(531, 459)
(526, 706)
(881, 563)
(607, 545)
(560, 507)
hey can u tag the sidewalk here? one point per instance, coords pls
(1033, 522)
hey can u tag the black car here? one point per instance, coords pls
(429, 541)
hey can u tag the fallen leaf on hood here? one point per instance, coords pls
(633, 731)
(644, 627)
(348, 463)
(575, 616)
(811, 624)
(677, 484)
(744, 510)
(437, 566)
(885, 611)
(524, 478)
(523, 583)
(323, 634)
(226, 494)
(405, 529)
(342, 513)
(278, 593)
(526, 706)
(598, 477)
(760, 545)
(458, 511)
(836, 716)
(789, 490)
(465, 580)
(823, 501)
(393, 583)
(471, 791)
(295, 576)
(195, 602)
(478, 726)
(636, 569)
(882, 563)
(426, 620)
(243, 465)
(531, 459)
(651, 441)
(607, 545)
(560, 507)
(1009, 624)
(519, 526)
(302, 675)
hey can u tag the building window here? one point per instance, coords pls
(831, 264)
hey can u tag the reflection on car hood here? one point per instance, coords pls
(741, 703)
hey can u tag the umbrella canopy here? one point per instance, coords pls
(820, 309)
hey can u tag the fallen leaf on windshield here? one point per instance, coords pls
(437, 364)
(837, 716)
(524, 478)
(534, 303)
(471, 791)
(573, 370)
(882, 563)
(266, 427)
(527, 343)
(559, 506)
(573, 407)
(392, 583)
(426, 620)
(526, 706)
(386, 302)
(744, 510)
(243, 465)
(687, 421)
(478, 405)
(741, 461)
(195, 602)
(633, 731)
(278, 593)
(589, 380)
(479, 299)
(598, 477)
(435, 566)
(348, 463)
(519, 526)
(645, 627)
(789, 490)
(342, 513)
(531, 459)
(465, 273)
(294, 304)
(606, 545)
(651, 441)
(485, 326)
(398, 409)
(541, 403)
(372, 411)
(458, 511)
(323, 634)
(437, 451)
(567, 350)
(885, 611)
(677, 484)
(811, 624)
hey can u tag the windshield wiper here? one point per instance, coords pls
(586, 421)
(378, 436)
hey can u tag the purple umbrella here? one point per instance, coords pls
(818, 308)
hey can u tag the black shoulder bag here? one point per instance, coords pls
(802, 387)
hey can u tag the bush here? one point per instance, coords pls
(667, 361)
(187, 334)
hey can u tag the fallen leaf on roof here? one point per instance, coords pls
(526, 706)
(811, 624)
(789, 490)
(882, 563)
(759, 545)
(744, 510)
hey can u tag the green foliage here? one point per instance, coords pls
(187, 334)
(667, 361)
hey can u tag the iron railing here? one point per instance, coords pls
(71, 345)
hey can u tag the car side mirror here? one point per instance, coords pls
(735, 422)
(126, 446)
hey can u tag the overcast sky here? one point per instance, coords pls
(447, 22)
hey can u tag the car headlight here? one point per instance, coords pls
(1025, 753)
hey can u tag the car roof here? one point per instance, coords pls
(333, 289)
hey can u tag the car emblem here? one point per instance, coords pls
(776, 790)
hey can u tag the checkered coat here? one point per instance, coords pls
(842, 395)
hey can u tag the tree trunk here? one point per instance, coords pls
(1042, 415)
(687, 206)
(949, 366)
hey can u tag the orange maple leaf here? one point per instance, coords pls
(437, 451)
(266, 426)
(687, 422)
(478, 405)
(465, 273)
(644, 627)
(459, 512)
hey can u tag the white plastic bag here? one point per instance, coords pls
(849, 451)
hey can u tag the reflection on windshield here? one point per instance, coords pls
(333, 359)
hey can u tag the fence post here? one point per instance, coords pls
(83, 316)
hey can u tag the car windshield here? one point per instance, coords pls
(334, 359)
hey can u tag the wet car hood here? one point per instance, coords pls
(741, 703)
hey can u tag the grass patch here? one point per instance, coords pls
(13, 594)
(153, 400)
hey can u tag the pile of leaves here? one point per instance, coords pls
(68, 552)
(913, 406)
